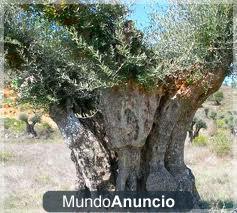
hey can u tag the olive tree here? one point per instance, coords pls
(218, 97)
(195, 127)
(30, 123)
(123, 100)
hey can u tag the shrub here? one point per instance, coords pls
(200, 140)
(221, 115)
(45, 130)
(5, 156)
(221, 123)
(231, 122)
(14, 125)
(221, 143)
(218, 97)
(213, 115)
(36, 119)
(30, 123)
(23, 117)
(45, 126)
(201, 124)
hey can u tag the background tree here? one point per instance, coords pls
(30, 123)
(87, 57)
(200, 124)
(196, 125)
(213, 115)
(231, 122)
(218, 97)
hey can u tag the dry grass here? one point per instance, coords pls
(35, 168)
(229, 98)
(42, 166)
(214, 177)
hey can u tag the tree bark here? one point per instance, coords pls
(88, 152)
(137, 142)
(30, 130)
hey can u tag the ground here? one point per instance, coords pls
(33, 167)
(30, 167)
(215, 177)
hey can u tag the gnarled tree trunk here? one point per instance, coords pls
(89, 151)
(137, 141)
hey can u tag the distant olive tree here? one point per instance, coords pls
(30, 123)
(196, 125)
(213, 115)
(218, 97)
(231, 122)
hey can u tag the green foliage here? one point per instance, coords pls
(35, 119)
(75, 50)
(218, 97)
(190, 36)
(195, 127)
(200, 140)
(231, 121)
(45, 126)
(220, 123)
(23, 117)
(62, 52)
(201, 124)
(225, 120)
(213, 115)
(14, 125)
(221, 143)
(8, 101)
(5, 156)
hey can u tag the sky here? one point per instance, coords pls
(141, 10)
(140, 14)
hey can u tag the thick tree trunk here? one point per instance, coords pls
(89, 153)
(137, 143)
(128, 115)
(30, 130)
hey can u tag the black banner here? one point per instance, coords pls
(81, 201)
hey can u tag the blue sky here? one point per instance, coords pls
(140, 15)
(141, 10)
